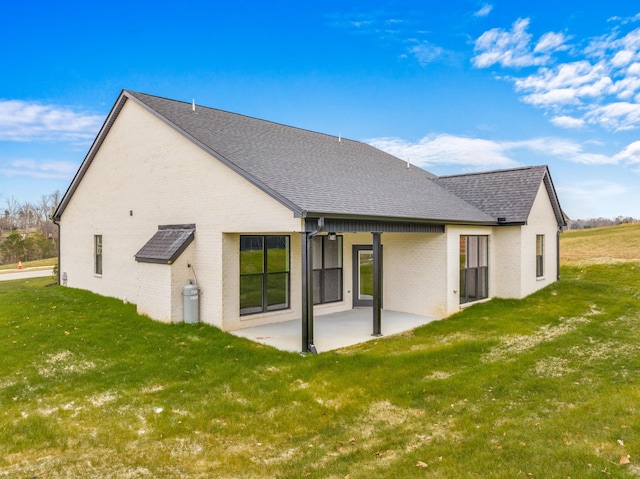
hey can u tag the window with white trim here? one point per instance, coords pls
(539, 256)
(97, 249)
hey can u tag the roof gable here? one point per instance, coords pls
(506, 195)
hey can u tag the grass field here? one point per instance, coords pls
(600, 245)
(545, 387)
(31, 264)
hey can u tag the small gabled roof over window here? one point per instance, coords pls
(167, 244)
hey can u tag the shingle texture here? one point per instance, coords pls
(166, 245)
(318, 175)
(313, 172)
(507, 194)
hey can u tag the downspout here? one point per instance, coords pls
(56, 222)
(558, 253)
(307, 289)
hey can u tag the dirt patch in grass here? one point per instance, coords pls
(437, 375)
(553, 367)
(603, 351)
(63, 363)
(515, 345)
(440, 340)
(99, 464)
(387, 413)
(383, 435)
(183, 447)
(100, 399)
(152, 389)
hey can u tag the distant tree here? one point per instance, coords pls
(32, 233)
(45, 209)
(11, 212)
(44, 247)
(5, 222)
(20, 247)
(27, 216)
(13, 248)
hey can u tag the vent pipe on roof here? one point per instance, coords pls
(193, 105)
(339, 137)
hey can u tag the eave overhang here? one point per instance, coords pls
(95, 146)
(106, 127)
(355, 223)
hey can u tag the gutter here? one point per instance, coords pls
(558, 253)
(56, 221)
(400, 219)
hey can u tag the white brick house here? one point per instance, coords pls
(277, 223)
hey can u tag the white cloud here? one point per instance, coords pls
(453, 154)
(39, 169)
(426, 52)
(566, 84)
(631, 154)
(618, 116)
(31, 121)
(559, 96)
(622, 58)
(593, 190)
(471, 153)
(476, 154)
(557, 147)
(597, 84)
(550, 42)
(597, 198)
(484, 11)
(514, 48)
(567, 122)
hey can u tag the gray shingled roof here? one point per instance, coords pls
(507, 194)
(313, 173)
(318, 175)
(167, 244)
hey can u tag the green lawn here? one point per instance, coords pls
(546, 387)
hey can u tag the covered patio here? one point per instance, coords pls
(333, 331)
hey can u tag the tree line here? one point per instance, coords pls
(599, 222)
(27, 231)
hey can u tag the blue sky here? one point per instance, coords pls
(453, 86)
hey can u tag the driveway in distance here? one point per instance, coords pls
(25, 273)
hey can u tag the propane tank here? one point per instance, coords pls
(191, 303)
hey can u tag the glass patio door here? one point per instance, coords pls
(362, 275)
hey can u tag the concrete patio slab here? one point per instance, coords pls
(333, 331)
